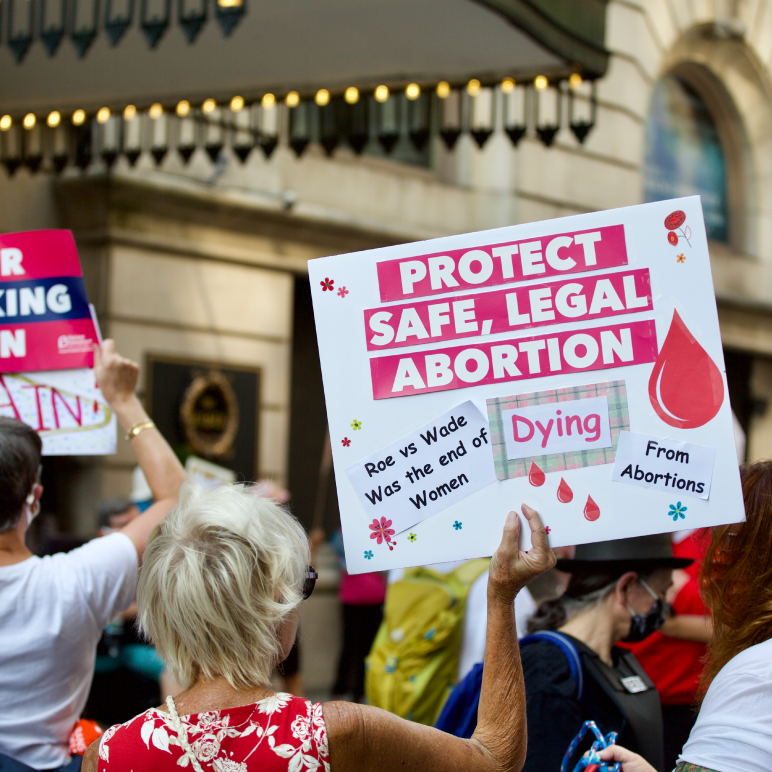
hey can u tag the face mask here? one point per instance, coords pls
(643, 625)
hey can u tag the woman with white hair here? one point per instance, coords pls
(219, 595)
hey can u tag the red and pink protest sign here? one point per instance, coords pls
(45, 320)
(593, 342)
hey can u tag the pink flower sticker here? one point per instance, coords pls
(381, 530)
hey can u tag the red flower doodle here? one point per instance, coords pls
(327, 284)
(342, 292)
(548, 529)
(381, 530)
(673, 223)
(345, 442)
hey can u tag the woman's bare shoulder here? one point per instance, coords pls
(91, 757)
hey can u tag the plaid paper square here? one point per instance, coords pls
(619, 418)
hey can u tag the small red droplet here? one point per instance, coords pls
(565, 494)
(685, 387)
(535, 475)
(591, 510)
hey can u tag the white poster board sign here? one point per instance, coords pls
(563, 337)
(65, 407)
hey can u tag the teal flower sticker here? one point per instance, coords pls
(412, 537)
(677, 511)
(369, 554)
(457, 525)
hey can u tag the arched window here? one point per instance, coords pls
(684, 155)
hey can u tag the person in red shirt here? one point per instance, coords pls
(673, 656)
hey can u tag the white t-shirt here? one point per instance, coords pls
(476, 614)
(52, 613)
(733, 732)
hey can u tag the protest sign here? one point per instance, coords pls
(66, 409)
(580, 341)
(47, 330)
(45, 321)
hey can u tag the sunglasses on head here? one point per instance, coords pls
(310, 582)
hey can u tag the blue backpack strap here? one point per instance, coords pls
(564, 643)
(459, 714)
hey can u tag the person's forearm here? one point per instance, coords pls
(501, 711)
(162, 468)
(689, 627)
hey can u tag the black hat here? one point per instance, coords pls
(641, 553)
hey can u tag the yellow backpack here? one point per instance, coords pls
(413, 664)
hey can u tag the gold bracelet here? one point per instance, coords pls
(138, 428)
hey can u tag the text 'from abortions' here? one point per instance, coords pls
(664, 464)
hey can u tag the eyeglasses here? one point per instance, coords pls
(310, 582)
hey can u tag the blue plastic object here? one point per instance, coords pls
(590, 760)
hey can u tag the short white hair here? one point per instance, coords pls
(220, 574)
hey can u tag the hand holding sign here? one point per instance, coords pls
(117, 376)
(512, 568)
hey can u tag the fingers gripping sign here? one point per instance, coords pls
(117, 376)
(511, 567)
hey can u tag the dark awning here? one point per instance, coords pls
(292, 45)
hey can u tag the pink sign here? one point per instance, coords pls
(490, 264)
(572, 351)
(45, 320)
(515, 308)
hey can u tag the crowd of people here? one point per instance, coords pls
(665, 642)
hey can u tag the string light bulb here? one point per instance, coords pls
(183, 108)
(292, 99)
(268, 102)
(129, 113)
(103, 116)
(473, 87)
(29, 121)
(78, 117)
(443, 89)
(381, 93)
(54, 119)
(507, 85)
(156, 111)
(237, 104)
(209, 106)
(412, 91)
(540, 82)
(575, 81)
(322, 97)
(351, 95)
(5, 123)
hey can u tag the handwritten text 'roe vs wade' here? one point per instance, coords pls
(427, 470)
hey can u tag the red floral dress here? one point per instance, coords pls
(281, 732)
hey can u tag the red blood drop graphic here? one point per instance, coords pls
(565, 494)
(685, 387)
(591, 510)
(675, 220)
(535, 476)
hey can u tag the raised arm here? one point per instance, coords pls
(117, 378)
(366, 739)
